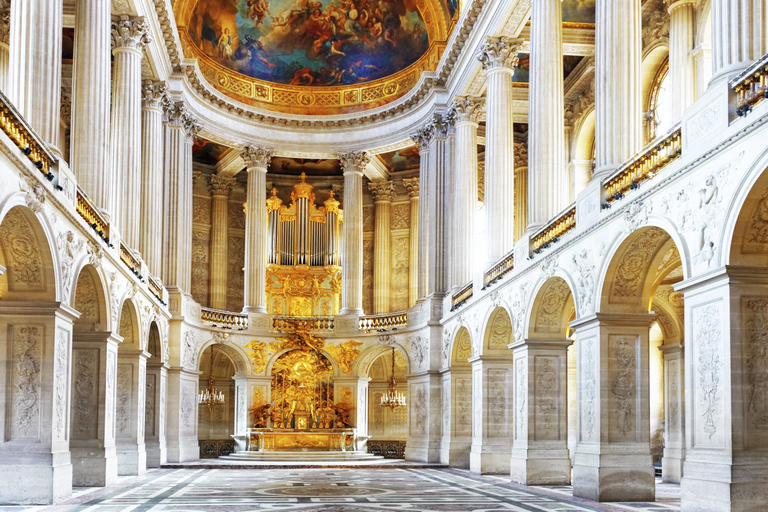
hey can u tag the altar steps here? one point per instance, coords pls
(308, 456)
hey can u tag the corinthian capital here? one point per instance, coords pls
(467, 109)
(221, 185)
(412, 185)
(500, 52)
(422, 137)
(5, 26)
(521, 155)
(178, 115)
(128, 32)
(153, 94)
(382, 191)
(354, 162)
(256, 157)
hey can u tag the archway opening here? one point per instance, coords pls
(217, 422)
(387, 427)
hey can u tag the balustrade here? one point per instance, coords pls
(461, 297)
(224, 319)
(383, 322)
(751, 86)
(291, 323)
(555, 229)
(497, 271)
(127, 257)
(17, 129)
(88, 211)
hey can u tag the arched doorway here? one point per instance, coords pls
(387, 427)
(216, 424)
(457, 402)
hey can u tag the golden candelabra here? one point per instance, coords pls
(392, 398)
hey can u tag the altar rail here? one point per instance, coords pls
(751, 86)
(645, 165)
(557, 227)
(461, 297)
(384, 321)
(18, 130)
(319, 323)
(224, 319)
(497, 271)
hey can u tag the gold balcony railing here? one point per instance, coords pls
(751, 86)
(497, 271)
(19, 131)
(225, 319)
(288, 323)
(127, 257)
(556, 228)
(645, 165)
(91, 215)
(155, 288)
(461, 297)
(383, 322)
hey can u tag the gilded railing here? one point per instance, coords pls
(644, 165)
(461, 297)
(497, 271)
(383, 322)
(17, 129)
(751, 86)
(289, 323)
(556, 228)
(127, 257)
(155, 288)
(225, 319)
(91, 215)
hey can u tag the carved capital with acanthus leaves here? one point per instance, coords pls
(354, 162)
(500, 52)
(154, 94)
(467, 109)
(221, 185)
(130, 32)
(382, 191)
(412, 186)
(179, 116)
(258, 158)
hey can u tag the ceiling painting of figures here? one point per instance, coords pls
(406, 159)
(579, 11)
(310, 42)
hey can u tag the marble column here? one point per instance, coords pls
(177, 222)
(221, 187)
(255, 294)
(129, 35)
(5, 35)
(91, 93)
(540, 448)
(131, 410)
(618, 91)
(422, 139)
(547, 183)
(154, 96)
(412, 185)
(582, 174)
(674, 413)
(352, 250)
(383, 193)
(467, 110)
(456, 439)
(521, 190)
(738, 35)
(437, 173)
(34, 86)
(499, 58)
(681, 68)
(154, 416)
(613, 456)
(92, 419)
(492, 381)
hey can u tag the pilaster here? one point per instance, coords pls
(493, 414)
(456, 440)
(674, 413)
(181, 434)
(220, 186)
(383, 193)
(412, 185)
(424, 418)
(131, 411)
(155, 414)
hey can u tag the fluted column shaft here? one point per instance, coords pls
(255, 293)
(154, 94)
(177, 262)
(738, 35)
(5, 36)
(412, 185)
(383, 194)
(89, 132)
(618, 91)
(521, 201)
(464, 189)
(681, 67)
(129, 35)
(35, 60)
(221, 186)
(547, 183)
(352, 250)
(499, 57)
(423, 258)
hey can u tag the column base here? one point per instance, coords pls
(183, 450)
(35, 485)
(422, 451)
(455, 453)
(614, 477)
(93, 467)
(131, 459)
(248, 310)
(540, 467)
(672, 465)
(156, 454)
(489, 460)
(351, 312)
(713, 487)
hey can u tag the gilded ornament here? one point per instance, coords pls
(345, 354)
(257, 353)
(274, 203)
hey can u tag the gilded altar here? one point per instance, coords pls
(289, 440)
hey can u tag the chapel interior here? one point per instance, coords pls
(518, 238)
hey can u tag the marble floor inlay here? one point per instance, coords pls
(335, 490)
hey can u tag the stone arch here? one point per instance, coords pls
(498, 332)
(128, 326)
(384, 423)
(154, 342)
(90, 300)
(26, 255)
(655, 58)
(746, 232)
(550, 312)
(362, 365)
(240, 361)
(462, 348)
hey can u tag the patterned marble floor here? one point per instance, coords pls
(334, 490)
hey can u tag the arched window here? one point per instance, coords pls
(660, 103)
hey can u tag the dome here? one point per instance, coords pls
(314, 56)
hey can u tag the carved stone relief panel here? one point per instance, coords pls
(549, 316)
(187, 405)
(500, 331)
(521, 399)
(623, 392)
(673, 431)
(400, 255)
(368, 218)
(23, 260)
(546, 396)
(446, 407)
(477, 400)
(123, 401)
(463, 350)
(26, 381)
(149, 406)
(707, 354)
(587, 400)
(109, 401)
(60, 381)
(463, 406)
(633, 269)
(754, 314)
(497, 403)
(401, 216)
(86, 301)
(236, 215)
(85, 393)
(201, 210)
(368, 276)
(126, 328)
(419, 409)
(756, 236)
(236, 278)
(200, 266)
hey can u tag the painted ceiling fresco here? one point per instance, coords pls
(310, 166)
(401, 160)
(310, 42)
(207, 152)
(579, 11)
(523, 68)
